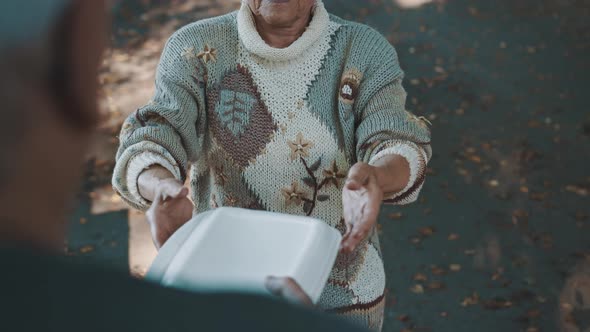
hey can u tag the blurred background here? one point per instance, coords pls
(500, 239)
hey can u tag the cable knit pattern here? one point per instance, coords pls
(278, 129)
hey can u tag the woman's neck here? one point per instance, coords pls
(282, 37)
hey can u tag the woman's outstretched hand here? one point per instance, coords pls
(171, 208)
(361, 197)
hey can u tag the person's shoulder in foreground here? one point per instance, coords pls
(45, 293)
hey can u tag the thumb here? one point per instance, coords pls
(173, 191)
(356, 179)
(181, 193)
(274, 285)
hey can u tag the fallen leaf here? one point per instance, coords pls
(497, 304)
(417, 289)
(437, 270)
(436, 285)
(426, 231)
(86, 249)
(470, 300)
(474, 158)
(83, 221)
(577, 190)
(455, 267)
(420, 277)
(396, 215)
(415, 240)
(538, 196)
(453, 237)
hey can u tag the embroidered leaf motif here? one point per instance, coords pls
(323, 198)
(307, 207)
(234, 110)
(309, 182)
(316, 165)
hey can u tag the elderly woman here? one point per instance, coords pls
(283, 107)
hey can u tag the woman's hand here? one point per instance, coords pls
(170, 208)
(361, 197)
(288, 289)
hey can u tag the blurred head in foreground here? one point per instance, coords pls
(49, 54)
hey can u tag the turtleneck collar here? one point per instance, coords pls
(254, 43)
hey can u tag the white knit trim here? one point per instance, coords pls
(255, 44)
(140, 163)
(416, 160)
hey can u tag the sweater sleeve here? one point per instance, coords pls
(163, 132)
(384, 127)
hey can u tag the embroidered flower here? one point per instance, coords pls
(188, 53)
(293, 195)
(230, 200)
(207, 54)
(300, 147)
(220, 177)
(333, 175)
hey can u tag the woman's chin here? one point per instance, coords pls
(279, 18)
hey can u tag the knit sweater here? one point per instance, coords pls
(258, 127)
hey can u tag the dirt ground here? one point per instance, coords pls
(500, 239)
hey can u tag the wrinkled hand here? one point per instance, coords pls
(170, 210)
(361, 199)
(289, 290)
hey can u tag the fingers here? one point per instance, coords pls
(288, 289)
(358, 175)
(359, 232)
(362, 226)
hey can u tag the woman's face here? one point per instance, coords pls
(281, 13)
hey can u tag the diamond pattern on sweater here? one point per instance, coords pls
(240, 121)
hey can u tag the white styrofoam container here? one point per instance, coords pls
(231, 249)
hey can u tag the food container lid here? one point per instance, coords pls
(232, 249)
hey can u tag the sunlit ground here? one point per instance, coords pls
(500, 239)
